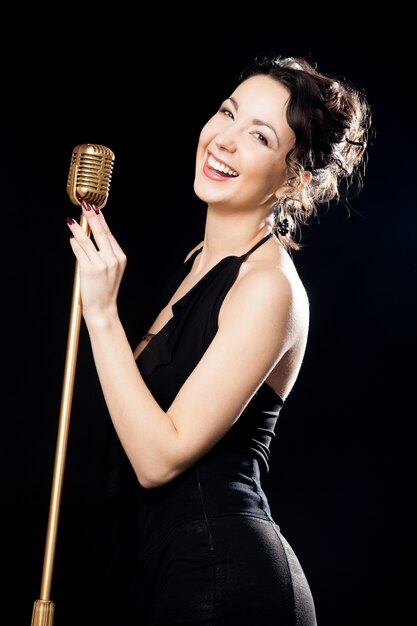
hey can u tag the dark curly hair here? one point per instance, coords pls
(332, 122)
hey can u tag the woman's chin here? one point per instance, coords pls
(204, 190)
(200, 191)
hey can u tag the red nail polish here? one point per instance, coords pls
(96, 209)
(70, 220)
(85, 205)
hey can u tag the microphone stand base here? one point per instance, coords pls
(43, 613)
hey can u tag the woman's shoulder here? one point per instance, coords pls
(272, 276)
(274, 263)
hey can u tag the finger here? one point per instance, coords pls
(98, 216)
(99, 230)
(78, 243)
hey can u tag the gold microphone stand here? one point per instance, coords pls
(44, 608)
(89, 178)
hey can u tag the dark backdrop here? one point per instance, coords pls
(340, 481)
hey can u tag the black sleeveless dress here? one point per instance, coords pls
(205, 544)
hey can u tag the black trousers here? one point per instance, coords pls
(242, 572)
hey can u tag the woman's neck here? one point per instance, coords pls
(226, 235)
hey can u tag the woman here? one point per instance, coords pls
(195, 399)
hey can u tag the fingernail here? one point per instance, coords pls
(96, 209)
(85, 206)
(70, 220)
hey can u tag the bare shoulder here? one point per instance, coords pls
(270, 286)
(272, 280)
(199, 245)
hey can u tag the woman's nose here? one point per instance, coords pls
(226, 141)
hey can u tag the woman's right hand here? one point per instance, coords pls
(101, 264)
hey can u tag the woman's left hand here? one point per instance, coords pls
(102, 264)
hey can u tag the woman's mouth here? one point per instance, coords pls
(217, 170)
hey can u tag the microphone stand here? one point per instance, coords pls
(44, 608)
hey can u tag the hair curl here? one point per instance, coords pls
(332, 121)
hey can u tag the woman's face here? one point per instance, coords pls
(241, 151)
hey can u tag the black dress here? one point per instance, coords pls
(205, 544)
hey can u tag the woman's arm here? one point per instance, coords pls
(255, 330)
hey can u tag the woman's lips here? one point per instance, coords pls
(214, 174)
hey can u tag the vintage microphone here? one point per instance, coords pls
(89, 179)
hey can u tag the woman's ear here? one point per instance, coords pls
(286, 188)
(282, 192)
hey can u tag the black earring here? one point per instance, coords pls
(283, 227)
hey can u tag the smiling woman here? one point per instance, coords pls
(253, 150)
(195, 394)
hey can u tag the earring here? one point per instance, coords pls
(282, 227)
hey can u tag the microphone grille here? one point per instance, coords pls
(90, 174)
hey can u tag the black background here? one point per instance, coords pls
(341, 482)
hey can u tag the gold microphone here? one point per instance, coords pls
(90, 174)
(89, 179)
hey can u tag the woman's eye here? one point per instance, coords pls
(226, 112)
(261, 137)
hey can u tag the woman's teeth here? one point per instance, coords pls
(220, 167)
